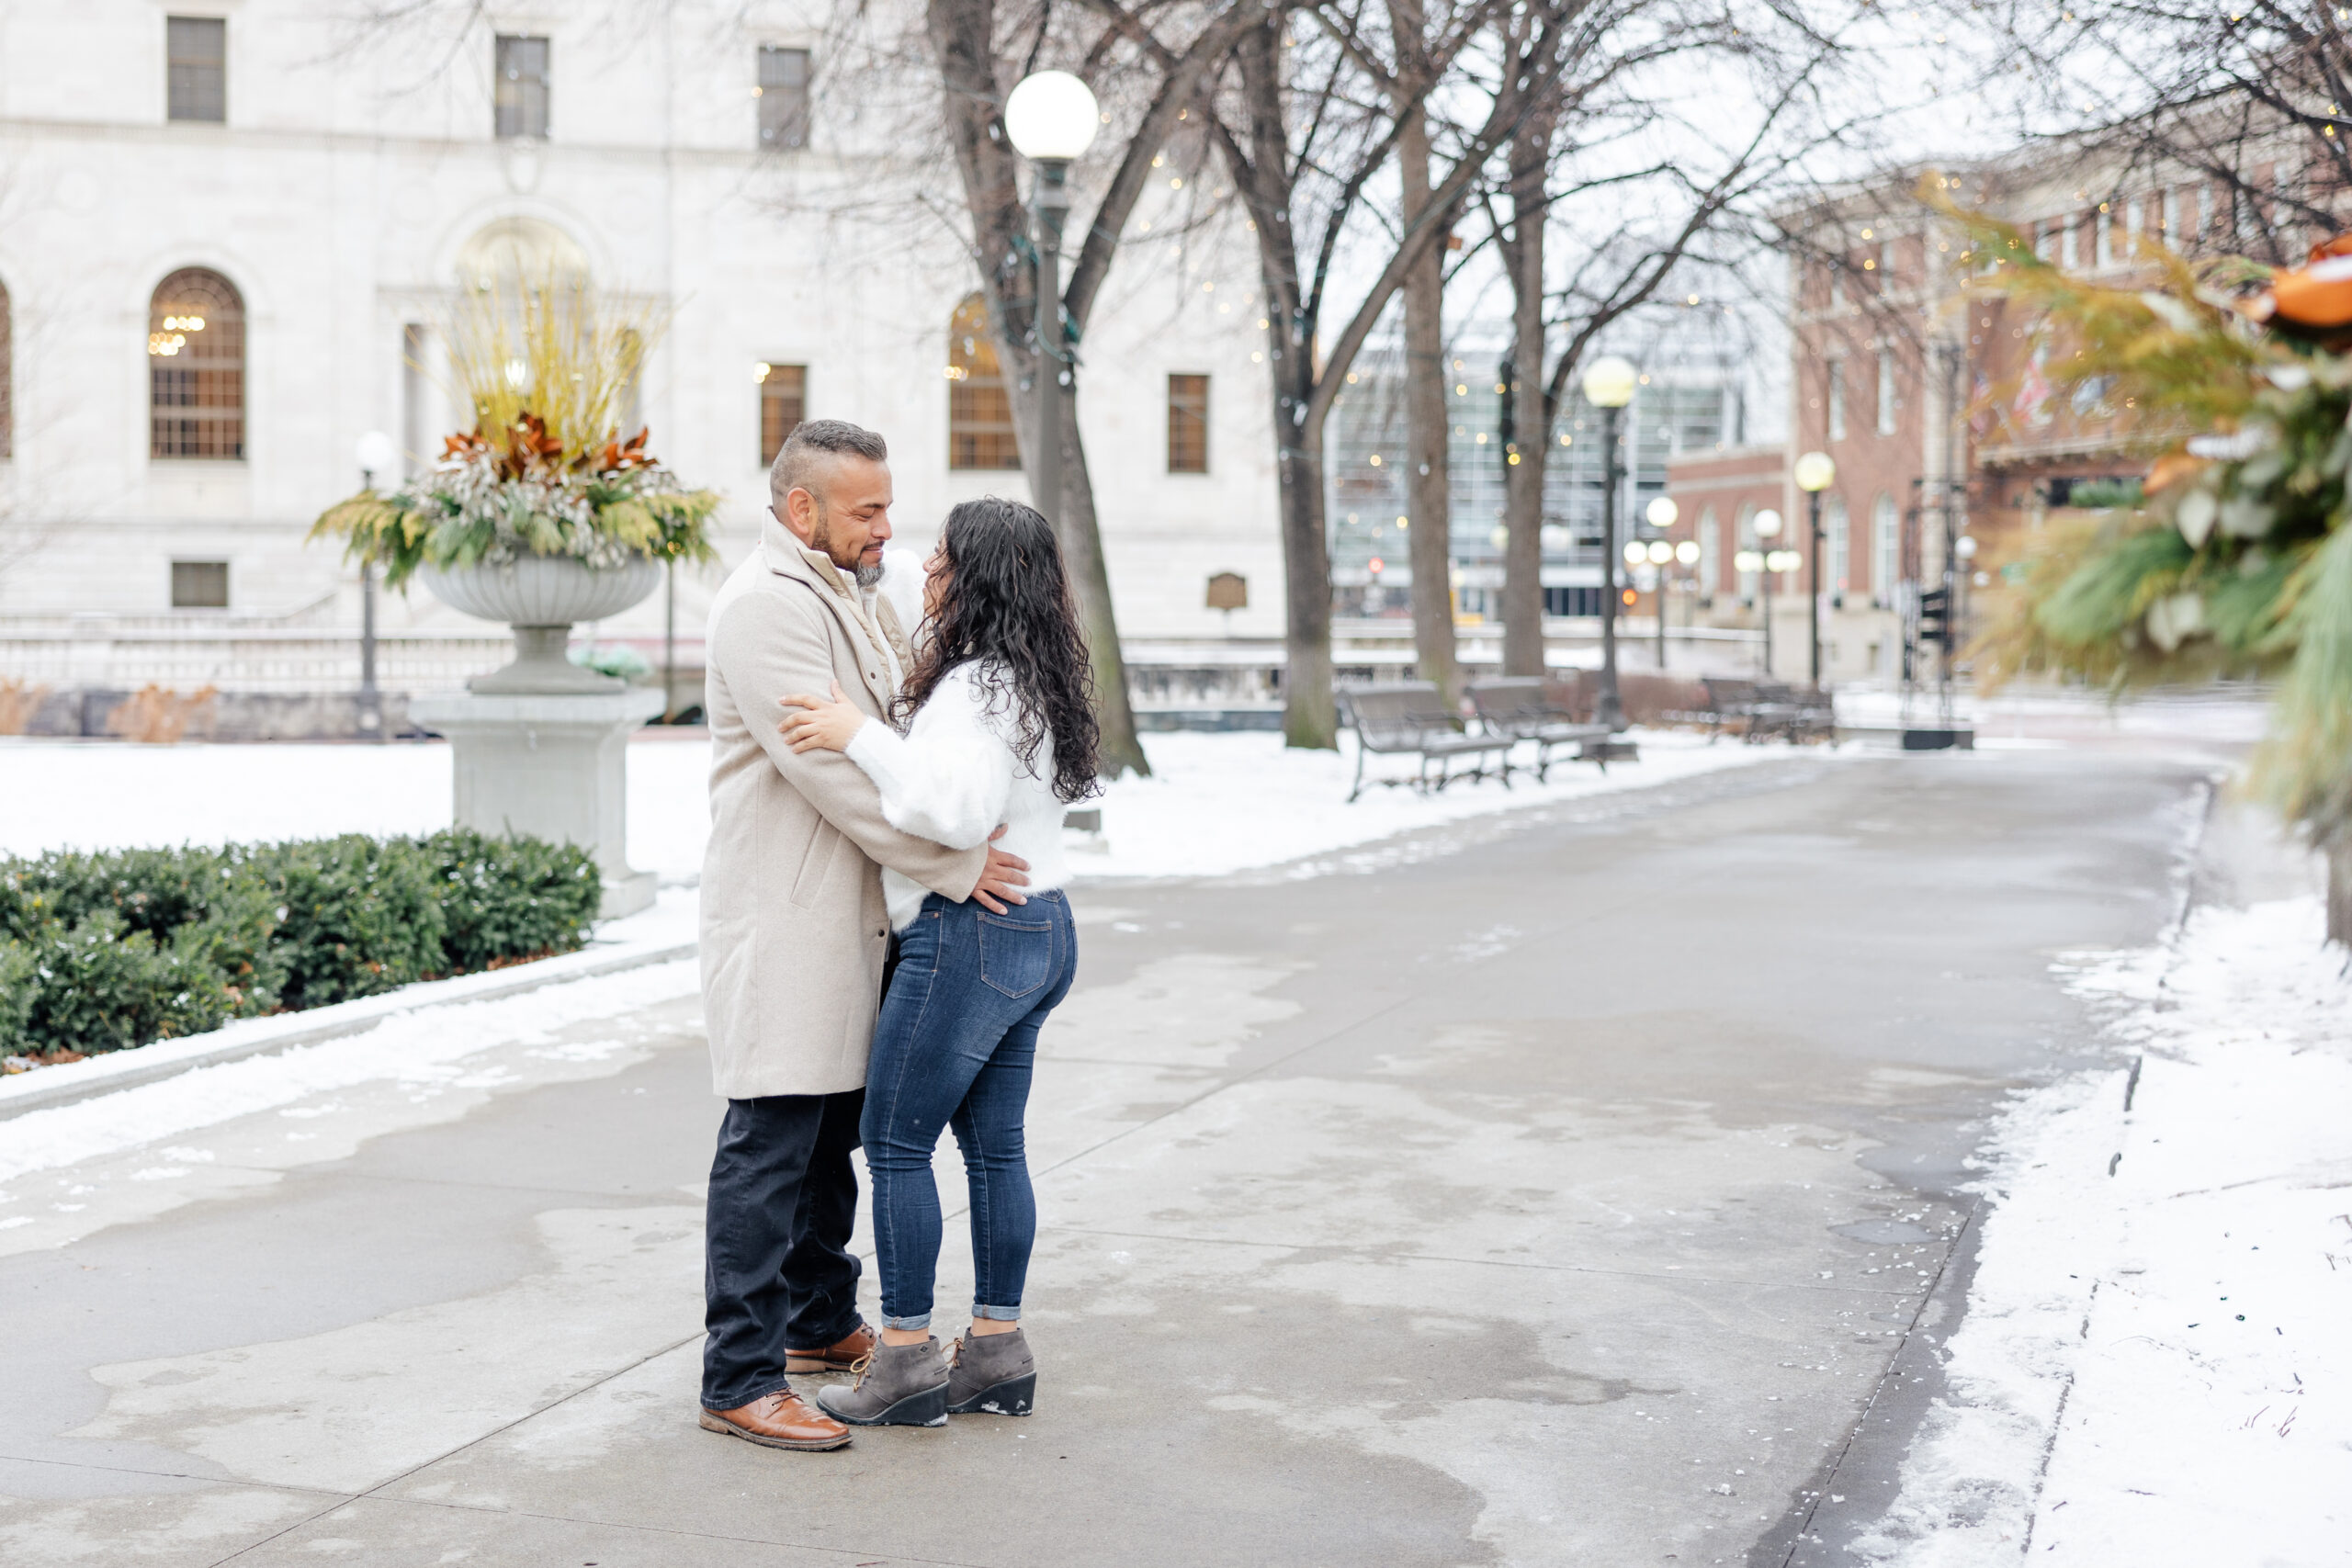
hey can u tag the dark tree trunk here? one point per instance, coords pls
(1530, 411)
(1310, 711)
(1429, 547)
(963, 32)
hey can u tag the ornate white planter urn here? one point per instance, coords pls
(542, 745)
(542, 597)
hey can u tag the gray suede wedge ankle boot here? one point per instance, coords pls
(897, 1385)
(991, 1374)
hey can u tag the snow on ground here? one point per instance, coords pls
(1217, 803)
(2153, 1368)
(2226, 715)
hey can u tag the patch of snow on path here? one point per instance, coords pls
(426, 1051)
(2153, 1368)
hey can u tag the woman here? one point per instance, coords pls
(1002, 732)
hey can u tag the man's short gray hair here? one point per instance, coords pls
(805, 450)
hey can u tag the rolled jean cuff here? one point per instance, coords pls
(997, 1313)
(909, 1324)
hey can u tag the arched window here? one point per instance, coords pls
(1744, 531)
(979, 410)
(1711, 553)
(1886, 543)
(195, 368)
(8, 376)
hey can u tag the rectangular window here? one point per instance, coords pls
(1188, 424)
(199, 585)
(784, 97)
(1836, 400)
(2172, 217)
(783, 403)
(1886, 260)
(1886, 391)
(1882, 547)
(1834, 524)
(520, 97)
(2066, 257)
(2103, 250)
(196, 51)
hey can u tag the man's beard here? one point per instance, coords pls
(821, 539)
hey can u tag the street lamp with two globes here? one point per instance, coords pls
(1661, 514)
(1051, 118)
(1764, 564)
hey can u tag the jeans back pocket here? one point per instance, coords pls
(1016, 956)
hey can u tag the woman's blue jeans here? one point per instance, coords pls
(955, 1047)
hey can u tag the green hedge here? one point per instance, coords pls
(101, 952)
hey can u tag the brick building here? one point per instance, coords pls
(1937, 398)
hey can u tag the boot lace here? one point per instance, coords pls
(861, 1367)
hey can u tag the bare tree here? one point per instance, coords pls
(977, 64)
(1306, 131)
(2252, 98)
(1422, 62)
(1669, 210)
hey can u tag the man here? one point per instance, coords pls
(794, 933)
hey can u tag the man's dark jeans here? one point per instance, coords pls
(778, 1269)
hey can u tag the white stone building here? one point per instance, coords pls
(313, 194)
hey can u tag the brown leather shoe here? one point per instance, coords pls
(778, 1420)
(838, 1358)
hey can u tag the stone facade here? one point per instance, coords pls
(349, 183)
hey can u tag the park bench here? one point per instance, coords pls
(1411, 719)
(1527, 707)
(1766, 709)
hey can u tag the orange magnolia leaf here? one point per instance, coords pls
(2316, 296)
(2171, 468)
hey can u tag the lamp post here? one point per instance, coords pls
(1661, 513)
(1051, 119)
(1609, 383)
(377, 455)
(1686, 556)
(1814, 473)
(1768, 528)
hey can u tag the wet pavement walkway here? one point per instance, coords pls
(1572, 1186)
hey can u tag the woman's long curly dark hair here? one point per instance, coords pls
(1007, 606)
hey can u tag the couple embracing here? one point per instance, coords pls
(884, 930)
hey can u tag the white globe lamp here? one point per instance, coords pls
(1051, 117)
(377, 455)
(1609, 382)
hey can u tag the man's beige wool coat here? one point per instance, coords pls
(793, 927)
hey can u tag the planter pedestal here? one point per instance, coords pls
(552, 766)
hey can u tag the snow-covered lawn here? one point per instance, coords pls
(2153, 1368)
(1217, 803)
